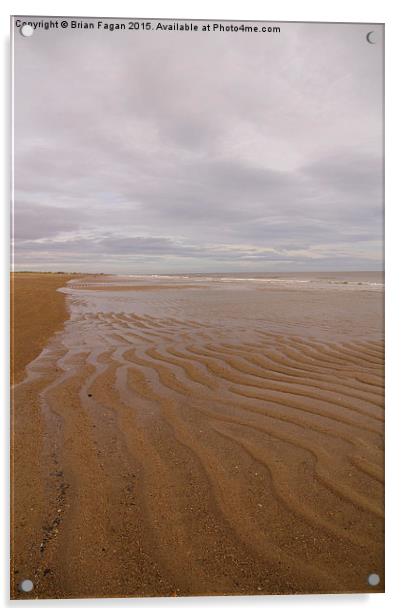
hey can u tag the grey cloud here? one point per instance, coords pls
(33, 221)
(349, 175)
(155, 150)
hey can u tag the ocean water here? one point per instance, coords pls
(365, 279)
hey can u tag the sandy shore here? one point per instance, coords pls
(170, 443)
(37, 312)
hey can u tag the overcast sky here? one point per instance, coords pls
(146, 152)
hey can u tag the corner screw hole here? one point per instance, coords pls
(26, 585)
(373, 579)
(26, 30)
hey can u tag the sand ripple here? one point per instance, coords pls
(194, 459)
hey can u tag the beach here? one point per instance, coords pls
(216, 434)
(38, 311)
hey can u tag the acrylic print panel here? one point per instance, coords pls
(197, 304)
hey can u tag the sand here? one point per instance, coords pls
(198, 442)
(38, 311)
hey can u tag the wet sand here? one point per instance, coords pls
(93, 286)
(202, 441)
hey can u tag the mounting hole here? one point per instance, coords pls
(26, 585)
(26, 30)
(371, 37)
(373, 579)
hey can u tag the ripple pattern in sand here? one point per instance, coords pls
(257, 456)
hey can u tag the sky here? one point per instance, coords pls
(140, 152)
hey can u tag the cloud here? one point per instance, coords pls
(154, 153)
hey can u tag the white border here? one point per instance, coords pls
(284, 10)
